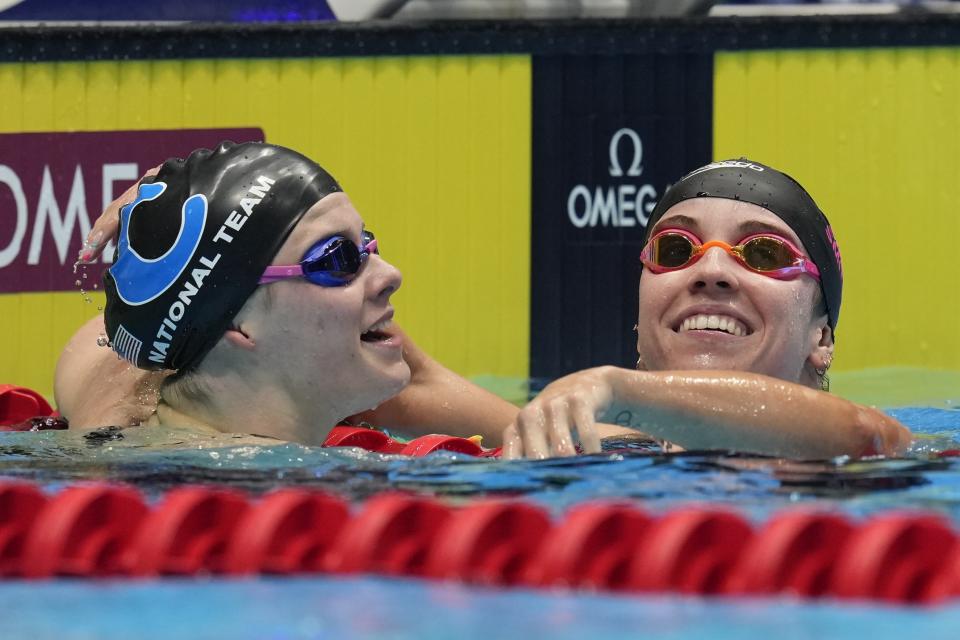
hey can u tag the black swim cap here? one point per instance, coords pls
(194, 244)
(780, 194)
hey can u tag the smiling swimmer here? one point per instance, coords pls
(248, 272)
(751, 182)
(254, 300)
(739, 302)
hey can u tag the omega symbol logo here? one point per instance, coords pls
(635, 169)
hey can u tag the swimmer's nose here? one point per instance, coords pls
(716, 270)
(383, 279)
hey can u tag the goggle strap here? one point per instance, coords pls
(280, 272)
(807, 266)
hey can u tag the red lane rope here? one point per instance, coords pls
(100, 530)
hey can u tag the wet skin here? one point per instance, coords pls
(310, 335)
(786, 329)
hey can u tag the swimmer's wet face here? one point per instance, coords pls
(330, 344)
(716, 314)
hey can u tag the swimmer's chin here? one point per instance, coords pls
(401, 381)
(392, 387)
(704, 362)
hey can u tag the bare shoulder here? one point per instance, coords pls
(93, 387)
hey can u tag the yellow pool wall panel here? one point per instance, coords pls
(874, 135)
(433, 150)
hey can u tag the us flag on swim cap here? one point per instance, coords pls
(127, 345)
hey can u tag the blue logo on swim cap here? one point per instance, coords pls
(140, 280)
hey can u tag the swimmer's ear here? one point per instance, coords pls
(237, 337)
(821, 357)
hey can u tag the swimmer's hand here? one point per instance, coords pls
(107, 226)
(567, 407)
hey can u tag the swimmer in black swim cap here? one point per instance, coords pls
(748, 181)
(775, 313)
(739, 300)
(248, 272)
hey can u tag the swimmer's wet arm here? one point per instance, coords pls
(751, 413)
(438, 400)
(701, 410)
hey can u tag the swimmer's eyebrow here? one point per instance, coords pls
(744, 229)
(678, 220)
(751, 227)
(345, 230)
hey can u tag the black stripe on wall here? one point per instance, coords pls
(584, 254)
(19, 43)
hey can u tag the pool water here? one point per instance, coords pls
(155, 460)
(397, 609)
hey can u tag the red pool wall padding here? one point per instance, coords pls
(93, 531)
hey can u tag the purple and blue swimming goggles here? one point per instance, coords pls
(332, 262)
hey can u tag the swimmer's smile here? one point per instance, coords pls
(711, 323)
(381, 334)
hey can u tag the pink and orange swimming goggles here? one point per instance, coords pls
(764, 253)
